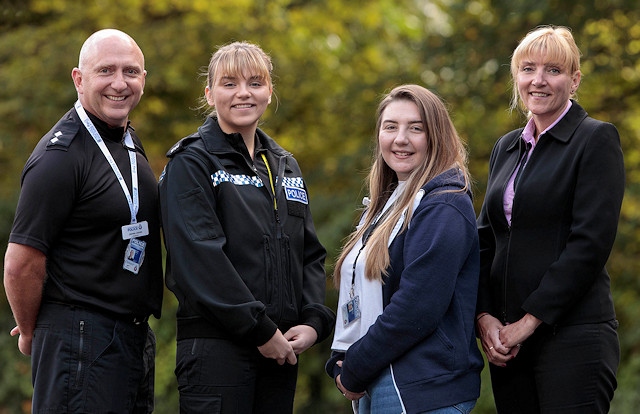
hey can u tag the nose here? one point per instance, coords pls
(118, 82)
(402, 136)
(243, 90)
(539, 77)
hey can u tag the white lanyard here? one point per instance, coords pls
(133, 202)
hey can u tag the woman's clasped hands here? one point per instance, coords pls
(502, 343)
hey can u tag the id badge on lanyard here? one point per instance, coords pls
(351, 310)
(134, 253)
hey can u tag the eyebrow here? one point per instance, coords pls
(233, 77)
(546, 64)
(392, 121)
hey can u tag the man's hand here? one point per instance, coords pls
(24, 275)
(24, 342)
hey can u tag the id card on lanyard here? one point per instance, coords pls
(351, 310)
(134, 253)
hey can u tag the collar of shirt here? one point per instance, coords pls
(106, 132)
(530, 128)
(527, 136)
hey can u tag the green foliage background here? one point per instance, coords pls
(333, 60)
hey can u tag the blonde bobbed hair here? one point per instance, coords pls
(555, 44)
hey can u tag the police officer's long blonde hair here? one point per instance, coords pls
(445, 150)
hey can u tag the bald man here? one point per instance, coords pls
(83, 269)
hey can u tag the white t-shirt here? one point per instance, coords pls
(369, 292)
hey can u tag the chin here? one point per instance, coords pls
(119, 119)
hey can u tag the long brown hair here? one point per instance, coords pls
(445, 150)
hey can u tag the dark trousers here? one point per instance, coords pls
(217, 376)
(570, 369)
(86, 362)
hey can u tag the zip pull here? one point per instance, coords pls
(273, 189)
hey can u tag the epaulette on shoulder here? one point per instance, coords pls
(182, 144)
(62, 134)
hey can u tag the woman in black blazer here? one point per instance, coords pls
(545, 312)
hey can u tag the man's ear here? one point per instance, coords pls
(76, 75)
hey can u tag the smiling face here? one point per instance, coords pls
(110, 77)
(239, 102)
(239, 87)
(545, 68)
(544, 88)
(402, 137)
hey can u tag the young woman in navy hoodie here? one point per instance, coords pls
(408, 274)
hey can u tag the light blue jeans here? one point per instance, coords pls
(382, 398)
(461, 408)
